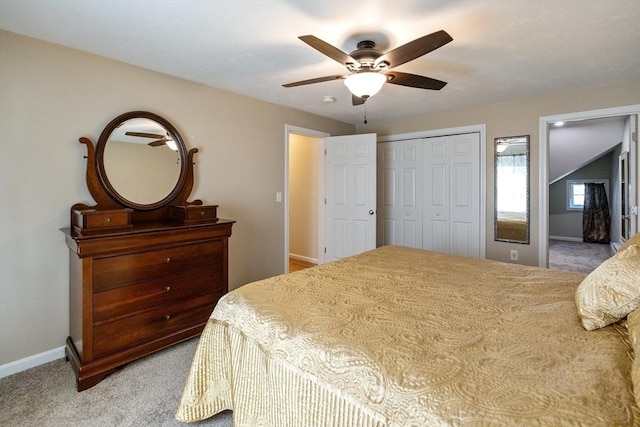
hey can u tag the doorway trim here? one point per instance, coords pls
(297, 130)
(543, 170)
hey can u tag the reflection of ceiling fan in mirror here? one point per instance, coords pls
(159, 139)
(370, 68)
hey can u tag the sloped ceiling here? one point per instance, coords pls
(576, 144)
(502, 50)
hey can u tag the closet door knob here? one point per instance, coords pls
(371, 212)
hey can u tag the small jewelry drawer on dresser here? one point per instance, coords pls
(123, 301)
(111, 337)
(194, 214)
(112, 272)
(85, 220)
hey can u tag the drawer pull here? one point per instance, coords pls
(167, 289)
(107, 219)
(202, 213)
(167, 317)
(168, 260)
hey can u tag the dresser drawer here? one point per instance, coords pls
(118, 271)
(194, 214)
(163, 290)
(87, 219)
(114, 336)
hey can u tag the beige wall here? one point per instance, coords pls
(514, 118)
(49, 97)
(303, 197)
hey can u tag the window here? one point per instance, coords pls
(575, 192)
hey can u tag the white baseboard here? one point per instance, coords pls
(303, 258)
(614, 247)
(31, 362)
(566, 239)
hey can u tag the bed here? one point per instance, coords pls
(406, 337)
(512, 226)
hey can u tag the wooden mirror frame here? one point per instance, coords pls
(102, 172)
(107, 197)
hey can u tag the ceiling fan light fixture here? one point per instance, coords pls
(365, 84)
(171, 144)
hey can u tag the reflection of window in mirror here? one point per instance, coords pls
(512, 182)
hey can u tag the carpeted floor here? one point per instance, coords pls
(577, 256)
(142, 393)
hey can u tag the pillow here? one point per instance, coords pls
(633, 240)
(634, 336)
(611, 291)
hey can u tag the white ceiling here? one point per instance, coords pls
(503, 50)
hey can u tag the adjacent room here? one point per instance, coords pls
(292, 212)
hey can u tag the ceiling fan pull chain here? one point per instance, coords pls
(365, 113)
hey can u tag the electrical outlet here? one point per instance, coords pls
(514, 255)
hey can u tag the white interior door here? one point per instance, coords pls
(350, 171)
(400, 193)
(464, 195)
(436, 195)
(634, 173)
(451, 204)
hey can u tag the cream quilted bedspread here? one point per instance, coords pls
(405, 337)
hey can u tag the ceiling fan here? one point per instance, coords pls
(370, 69)
(160, 139)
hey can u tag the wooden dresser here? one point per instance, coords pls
(136, 292)
(143, 274)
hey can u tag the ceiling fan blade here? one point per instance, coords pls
(415, 49)
(316, 80)
(328, 50)
(157, 143)
(144, 135)
(413, 80)
(356, 100)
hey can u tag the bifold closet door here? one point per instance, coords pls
(400, 193)
(451, 194)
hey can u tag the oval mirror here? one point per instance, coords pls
(141, 160)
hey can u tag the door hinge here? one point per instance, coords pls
(325, 250)
(325, 201)
(325, 151)
(634, 138)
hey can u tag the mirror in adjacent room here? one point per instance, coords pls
(141, 159)
(625, 214)
(511, 186)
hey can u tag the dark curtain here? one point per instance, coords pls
(596, 218)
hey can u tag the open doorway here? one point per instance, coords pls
(304, 181)
(557, 167)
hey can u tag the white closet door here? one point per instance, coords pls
(399, 193)
(451, 190)
(435, 232)
(464, 212)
